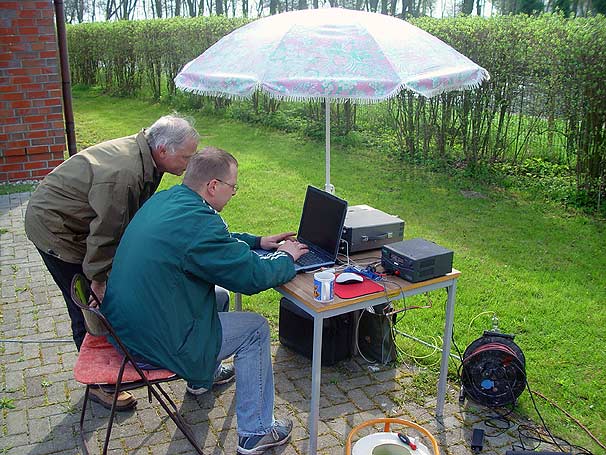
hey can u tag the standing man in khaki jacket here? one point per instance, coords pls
(78, 213)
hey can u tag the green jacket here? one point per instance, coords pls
(80, 210)
(160, 297)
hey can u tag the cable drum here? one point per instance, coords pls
(493, 370)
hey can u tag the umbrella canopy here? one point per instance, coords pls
(329, 54)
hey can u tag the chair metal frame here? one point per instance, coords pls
(98, 325)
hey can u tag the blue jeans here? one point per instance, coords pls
(246, 337)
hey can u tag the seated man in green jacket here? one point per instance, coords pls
(161, 293)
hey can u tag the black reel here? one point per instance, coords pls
(494, 370)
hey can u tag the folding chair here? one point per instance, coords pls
(100, 364)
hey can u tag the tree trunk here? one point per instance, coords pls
(157, 8)
(467, 7)
(392, 7)
(80, 11)
(110, 9)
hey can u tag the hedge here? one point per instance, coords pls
(546, 95)
(122, 57)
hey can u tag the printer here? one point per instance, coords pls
(367, 228)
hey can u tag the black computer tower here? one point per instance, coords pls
(296, 332)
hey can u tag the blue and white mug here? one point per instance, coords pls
(324, 287)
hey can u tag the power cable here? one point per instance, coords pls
(583, 427)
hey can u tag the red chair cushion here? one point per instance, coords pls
(99, 363)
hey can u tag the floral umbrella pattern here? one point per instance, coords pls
(334, 54)
(330, 54)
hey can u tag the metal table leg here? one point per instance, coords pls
(316, 375)
(446, 349)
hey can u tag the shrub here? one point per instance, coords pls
(546, 97)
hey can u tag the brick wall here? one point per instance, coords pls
(32, 132)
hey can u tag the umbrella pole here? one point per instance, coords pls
(328, 187)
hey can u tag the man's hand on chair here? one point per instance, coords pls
(98, 288)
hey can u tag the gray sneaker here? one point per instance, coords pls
(278, 435)
(225, 374)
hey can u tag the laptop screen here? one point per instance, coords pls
(322, 220)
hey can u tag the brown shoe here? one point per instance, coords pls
(125, 399)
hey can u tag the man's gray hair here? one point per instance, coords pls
(171, 132)
(210, 163)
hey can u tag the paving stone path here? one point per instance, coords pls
(40, 402)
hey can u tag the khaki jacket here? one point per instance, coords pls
(80, 210)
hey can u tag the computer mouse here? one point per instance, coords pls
(349, 278)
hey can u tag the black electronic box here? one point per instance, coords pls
(416, 259)
(367, 228)
(296, 332)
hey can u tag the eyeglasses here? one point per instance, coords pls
(233, 186)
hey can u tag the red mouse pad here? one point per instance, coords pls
(349, 291)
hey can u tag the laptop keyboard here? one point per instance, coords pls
(309, 258)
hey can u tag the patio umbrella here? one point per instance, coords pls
(329, 54)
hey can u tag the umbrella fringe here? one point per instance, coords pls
(323, 98)
(195, 91)
(466, 86)
(469, 85)
(299, 98)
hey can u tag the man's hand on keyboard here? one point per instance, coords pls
(272, 242)
(294, 248)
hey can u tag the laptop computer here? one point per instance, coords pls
(320, 228)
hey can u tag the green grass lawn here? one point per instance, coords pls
(540, 269)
